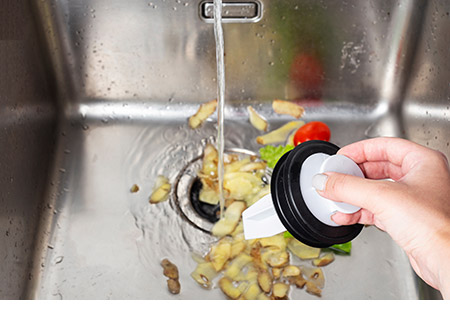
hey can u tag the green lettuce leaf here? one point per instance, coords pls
(272, 154)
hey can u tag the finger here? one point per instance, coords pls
(364, 193)
(393, 150)
(381, 170)
(362, 216)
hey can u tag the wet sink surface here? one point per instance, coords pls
(107, 242)
(97, 99)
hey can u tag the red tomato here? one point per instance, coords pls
(314, 130)
(307, 72)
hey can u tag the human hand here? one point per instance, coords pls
(414, 208)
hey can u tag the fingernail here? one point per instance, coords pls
(332, 218)
(319, 180)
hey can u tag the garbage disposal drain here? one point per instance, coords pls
(187, 189)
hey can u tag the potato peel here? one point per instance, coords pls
(324, 260)
(302, 251)
(277, 241)
(236, 265)
(275, 258)
(204, 274)
(229, 289)
(291, 271)
(230, 219)
(257, 121)
(289, 108)
(170, 270)
(313, 289)
(314, 275)
(280, 290)
(161, 190)
(252, 292)
(279, 135)
(265, 281)
(174, 286)
(257, 268)
(220, 254)
(204, 111)
(299, 281)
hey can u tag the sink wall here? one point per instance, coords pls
(27, 138)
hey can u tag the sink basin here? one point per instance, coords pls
(95, 96)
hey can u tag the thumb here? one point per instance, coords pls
(361, 192)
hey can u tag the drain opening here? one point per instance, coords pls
(205, 210)
(187, 190)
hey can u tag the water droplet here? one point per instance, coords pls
(59, 259)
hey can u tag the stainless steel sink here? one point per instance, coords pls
(95, 96)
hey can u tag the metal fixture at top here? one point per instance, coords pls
(232, 12)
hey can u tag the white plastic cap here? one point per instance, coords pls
(261, 220)
(319, 206)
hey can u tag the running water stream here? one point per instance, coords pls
(218, 33)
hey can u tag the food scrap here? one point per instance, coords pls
(324, 260)
(161, 190)
(242, 179)
(204, 111)
(256, 119)
(289, 108)
(258, 268)
(171, 272)
(134, 188)
(314, 130)
(281, 134)
(265, 268)
(272, 154)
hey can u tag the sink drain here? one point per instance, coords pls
(187, 189)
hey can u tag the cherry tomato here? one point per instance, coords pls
(314, 130)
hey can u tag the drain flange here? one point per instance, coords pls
(187, 189)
